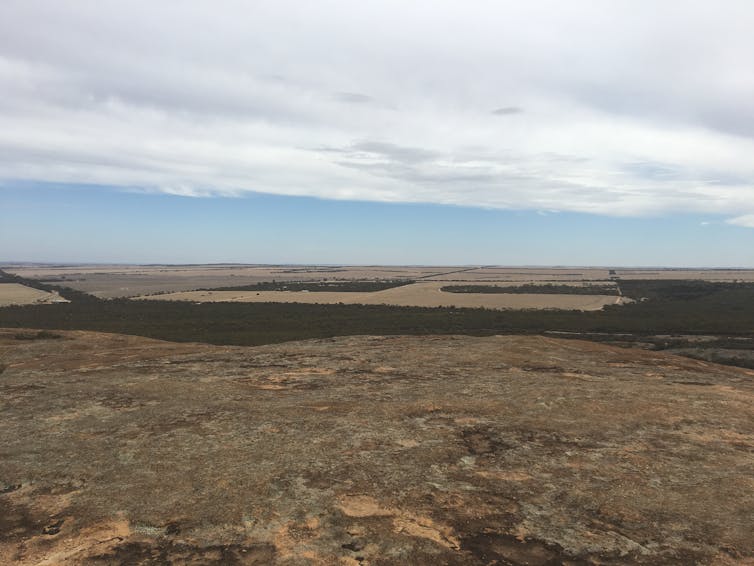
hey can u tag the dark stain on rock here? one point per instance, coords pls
(168, 552)
(53, 528)
(355, 546)
(506, 550)
(543, 369)
(480, 441)
(17, 522)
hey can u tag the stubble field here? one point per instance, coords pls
(424, 294)
(15, 294)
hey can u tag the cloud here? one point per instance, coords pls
(507, 111)
(386, 151)
(747, 221)
(353, 97)
(195, 99)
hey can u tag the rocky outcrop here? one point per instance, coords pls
(370, 450)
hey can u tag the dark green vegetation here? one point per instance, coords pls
(319, 286)
(676, 290)
(534, 289)
(673, 313)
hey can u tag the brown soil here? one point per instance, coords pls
(371, 450)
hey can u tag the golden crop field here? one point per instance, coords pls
(15, 294)
(425, 294)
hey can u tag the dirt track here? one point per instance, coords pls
(371, 450)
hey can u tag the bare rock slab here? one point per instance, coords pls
(370, 450)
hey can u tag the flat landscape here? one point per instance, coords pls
(424, 294)
(112, 281)
(388, 450)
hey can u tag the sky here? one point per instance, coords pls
(443, 132)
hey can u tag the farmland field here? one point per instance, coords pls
(127, 281)
(423, 294)
(113, 281)
(16, 294)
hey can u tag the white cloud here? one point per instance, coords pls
(621, 108)
(747, 220)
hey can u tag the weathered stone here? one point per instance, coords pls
(371, 450)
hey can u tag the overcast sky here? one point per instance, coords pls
(616, 108)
